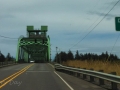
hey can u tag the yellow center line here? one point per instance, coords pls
(14, 76)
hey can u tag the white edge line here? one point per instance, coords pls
(37, 71)
(51, 65)
(64, 81)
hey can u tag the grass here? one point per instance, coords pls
(107, 67)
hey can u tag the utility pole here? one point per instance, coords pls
(0, 53)
(59, 56)
(56, 55)
(50, 53)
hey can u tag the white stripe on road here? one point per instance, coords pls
(51, 65)
(64, 81)
(37, 71)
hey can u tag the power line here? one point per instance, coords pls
(93, 22)
(115, 43)
(7, 37)
(97, 23)
(113, 46)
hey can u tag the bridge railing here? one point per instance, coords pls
(7, 63)
(113, 79)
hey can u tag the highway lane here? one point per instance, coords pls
(41, 76)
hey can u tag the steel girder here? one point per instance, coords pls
(36, 47)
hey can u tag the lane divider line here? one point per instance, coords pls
(36, 71)
(51, 65)
(11, 79)
(14, 76)
(63, 80)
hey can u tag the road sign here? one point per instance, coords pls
(117, 23)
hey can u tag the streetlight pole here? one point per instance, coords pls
(59, 56)
(56, 55)
(50, 53)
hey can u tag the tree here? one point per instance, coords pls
(70, 55)
(8, 57)
(106, 56)
(56, 58)
(63, 56)
(77, 57)
(81, 56)
(2, 57)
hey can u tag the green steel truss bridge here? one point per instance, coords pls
(35, 47)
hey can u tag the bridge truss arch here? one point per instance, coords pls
(35, 47)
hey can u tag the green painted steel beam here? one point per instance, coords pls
(37, 46)
(29, 28)
(44, 28)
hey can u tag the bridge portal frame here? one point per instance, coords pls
(35, 41)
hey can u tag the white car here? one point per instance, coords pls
(32, 61)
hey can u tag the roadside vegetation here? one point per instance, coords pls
(6, 58)
(107, 67)
(107, 63)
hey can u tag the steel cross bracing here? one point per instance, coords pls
(36, 46)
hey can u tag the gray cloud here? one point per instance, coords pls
(102, 11)
(108, 17)
(8, 45)
(7, 16)
(113, 2)
(71, 33)
(8, 41)
(66, 20)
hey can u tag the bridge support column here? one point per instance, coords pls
(18, 50)
(48, 51)
(21, 55)
(26, 56)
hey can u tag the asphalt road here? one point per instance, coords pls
(40, 76)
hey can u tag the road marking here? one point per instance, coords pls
(64, 81)
(37, 71)
(13, 76)
(51, 65)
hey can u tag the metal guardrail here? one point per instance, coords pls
(3, 64)
(114, 79)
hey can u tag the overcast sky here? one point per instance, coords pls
(68, 21)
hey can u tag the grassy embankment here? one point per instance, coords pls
(108, 67)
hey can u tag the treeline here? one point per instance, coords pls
(63, 56)
(7, 58)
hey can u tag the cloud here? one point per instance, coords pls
(113, 3)
(8, 41)
(106, 7)
(8, 45)
(66, 19)
(71, 33)
(108, 17)
(6, 16)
